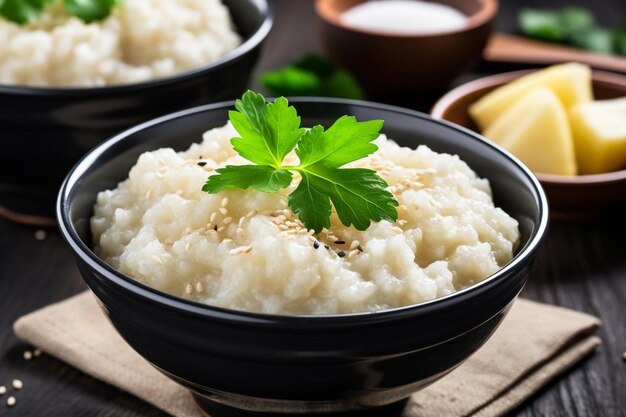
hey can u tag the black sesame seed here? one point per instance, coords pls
(201, 163)
(326, 246)
(316, 244)
(340, 242)
(360, 248)
(341, 254)
(215, 228)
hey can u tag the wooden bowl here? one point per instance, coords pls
(569, 197)
(400, 65)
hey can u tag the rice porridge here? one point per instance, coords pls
(246, 250)
(139, 41)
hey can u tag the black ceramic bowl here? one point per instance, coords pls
(268, 363)
(46, 130)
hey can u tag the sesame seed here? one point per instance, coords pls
(359, 248)
(220, 229)
(340, 242)
(40, 234)
(187, 246)
(227, 221)
(214, 228)
(240, 250)
(157, 259)
(11, 401)
(283, 227)
(353, 253)
(199, 287)
(240, 231)
(28, 355)
(223, 210)
(402, 222)
(341, 254)
(17, 384)
(326, 247)
(251, 214)
(148, 194)
(354, 244)
(227, 240)
(213, 217)
(3, 390)
(201, 163)
(224, 202)
(316, 244)
(210, 225)
(37, 352)
(188, 289)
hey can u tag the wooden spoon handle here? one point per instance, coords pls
(514, 49)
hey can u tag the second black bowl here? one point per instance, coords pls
(46, 130)
(259, 363)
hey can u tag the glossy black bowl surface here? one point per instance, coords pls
(45, 131)
(270, 363)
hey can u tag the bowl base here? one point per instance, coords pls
(210, 408)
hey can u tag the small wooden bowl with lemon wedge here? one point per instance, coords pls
(571, 197)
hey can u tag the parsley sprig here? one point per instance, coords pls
(26, 11)
(269, 131)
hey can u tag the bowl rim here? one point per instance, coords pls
(457, 93)
(484, 15)
(255, 39)
(82, 251)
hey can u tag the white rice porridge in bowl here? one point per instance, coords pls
(246, 250)
(140, 40)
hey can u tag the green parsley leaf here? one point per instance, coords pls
(90, 10)
(575, 19)
(595, 40)
(260, 177)
(541, 24)
(345, 141)
(312, 76)
(269, 131)
(22, 11)
(619, 41)
(358, 194)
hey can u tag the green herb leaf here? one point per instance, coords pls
(312, 76)
(576, 19)
(90, 10)
(358, 194)
(595, 40)
(259, 177)
(345, 141)
(22, 11)
(291, 81)
(271, 130)
(343, 85)
(541, 24)
(619, 41)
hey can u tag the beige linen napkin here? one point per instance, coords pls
(534, 344)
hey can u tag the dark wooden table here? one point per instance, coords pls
(581, 266)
